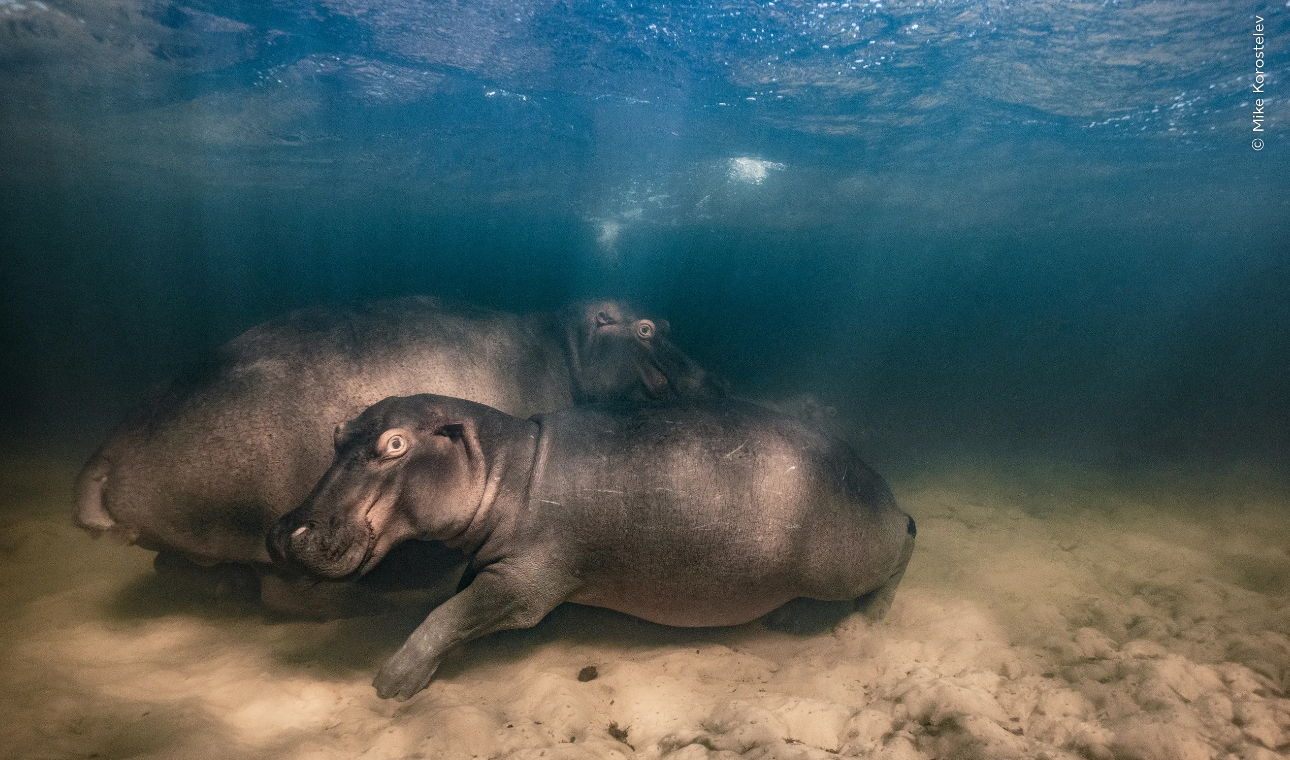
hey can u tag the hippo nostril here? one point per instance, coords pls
(296, 533)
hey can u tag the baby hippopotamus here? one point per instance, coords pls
(713, 513)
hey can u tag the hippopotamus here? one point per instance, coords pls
(702, 514)
(202, 472)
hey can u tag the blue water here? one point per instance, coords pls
(1018, 224)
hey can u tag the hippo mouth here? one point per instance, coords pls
(91, 511)
(369, 558)
(654, 378)
(342, 561)
(330, 541)
(352, 559)
(670, 373)
(338, 555)
(374, 526)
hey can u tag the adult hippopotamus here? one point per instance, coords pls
(712, 513)
(203, 471)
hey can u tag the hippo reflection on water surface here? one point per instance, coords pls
(700, 514)
(201, 473)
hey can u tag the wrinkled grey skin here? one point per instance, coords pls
(712, 513)
(205, 470)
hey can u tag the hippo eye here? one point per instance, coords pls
(392, 444)
(645, 329)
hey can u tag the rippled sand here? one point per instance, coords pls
(1049, 611)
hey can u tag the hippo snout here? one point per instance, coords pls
(292, 539)
(280, 537)
(90, 511)
(326, 549)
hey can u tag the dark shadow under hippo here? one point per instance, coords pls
(202, 472)
(701, 514)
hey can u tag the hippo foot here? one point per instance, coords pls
(807, 617)
(404, 675)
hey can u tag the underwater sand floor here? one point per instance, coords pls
(1049, 611)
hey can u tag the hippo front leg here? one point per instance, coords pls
(501, 597)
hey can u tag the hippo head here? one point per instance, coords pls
(614, 354)
(407, 467)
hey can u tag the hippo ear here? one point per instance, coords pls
(459, 441)
(599, 315)
(454, 430)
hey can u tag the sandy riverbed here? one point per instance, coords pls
(1050, 611)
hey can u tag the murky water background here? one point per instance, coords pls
(1026, 252)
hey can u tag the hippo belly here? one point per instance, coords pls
(701, 604)
(704, 563)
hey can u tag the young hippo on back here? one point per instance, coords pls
(205, 470)
(713, 513)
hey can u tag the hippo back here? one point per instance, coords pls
(707, 497)
(208, 466)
